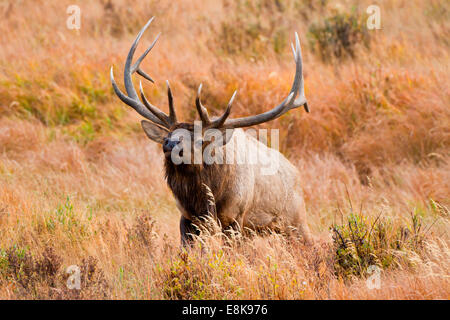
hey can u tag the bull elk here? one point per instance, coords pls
(242, 196)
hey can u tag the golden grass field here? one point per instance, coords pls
(80, 184)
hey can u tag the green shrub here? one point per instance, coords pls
(338, 35)
(71, 222)
(18, 265)
(360, 242)
(41, 276)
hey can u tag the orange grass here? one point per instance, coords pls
(78, 176)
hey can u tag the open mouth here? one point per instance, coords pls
(168, 153)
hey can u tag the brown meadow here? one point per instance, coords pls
(81, 185)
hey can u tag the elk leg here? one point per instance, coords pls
(187, 230)
(305, 233)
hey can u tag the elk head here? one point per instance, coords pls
(164, 129)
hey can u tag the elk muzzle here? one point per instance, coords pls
(169, 144)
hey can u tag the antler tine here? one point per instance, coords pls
(293, 51)
(202, 111)
(128, 70)
(220, 121)
(161, 115)
(289, 103)
(297, 85)
(301, 99)
(172, 113)
(145, 108)
(136, 65)
(134, 103)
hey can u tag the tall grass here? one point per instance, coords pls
(80, 184)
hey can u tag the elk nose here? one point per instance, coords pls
(168, 144)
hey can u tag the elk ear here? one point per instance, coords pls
(154, 131)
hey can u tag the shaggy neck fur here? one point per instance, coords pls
(186, 183)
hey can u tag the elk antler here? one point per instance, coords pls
(287, 104)
(201, 109)
(152, 113)
(145, 109)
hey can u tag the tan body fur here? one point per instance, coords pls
(250, 198)
(245, 193)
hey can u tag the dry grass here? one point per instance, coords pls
(79, 183)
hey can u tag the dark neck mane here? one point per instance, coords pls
(186, 183)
